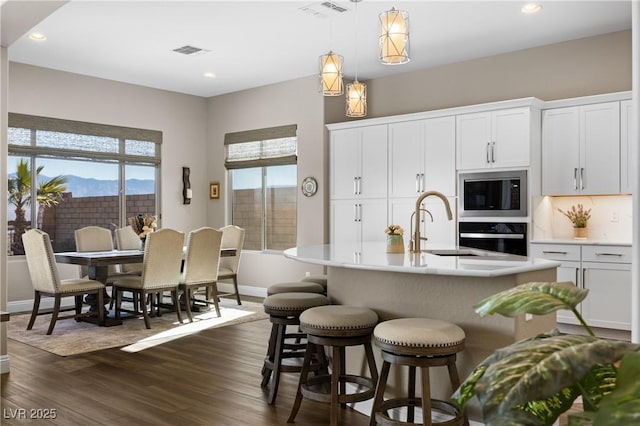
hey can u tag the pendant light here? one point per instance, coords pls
(394, 37)
(356, 91)
(331, 70)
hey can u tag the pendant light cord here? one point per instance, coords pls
(357, 1)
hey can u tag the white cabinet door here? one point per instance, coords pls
(608, 304)
(473, 141)
(406, 153)
(628, 149)
(374, 162)
(560, 151)
(440, 155)
(357, 220)
(581, 150)
(568, 271)
(345, 162)
(510, 137)
(422, 157)
(373, 220)
(600, 148)
(359, 162)
(499, 138)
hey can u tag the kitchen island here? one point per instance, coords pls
(443, 283)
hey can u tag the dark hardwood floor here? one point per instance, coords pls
(209, 378)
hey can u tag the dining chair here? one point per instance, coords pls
(126, 239)
(46, 281)
(161, 267)
(94, 238)
(232, 237)
(201, 266)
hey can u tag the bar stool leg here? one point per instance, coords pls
(455, 384)
(336, 386)
(411, 394)
(277, 363)
(303, 380)
(266, 372)
(382, 384)
(426, 397)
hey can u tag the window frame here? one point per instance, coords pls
(123, 135)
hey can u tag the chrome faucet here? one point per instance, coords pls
(415, 246)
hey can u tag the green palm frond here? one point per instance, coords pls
(533, 298)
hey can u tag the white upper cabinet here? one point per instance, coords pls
(581, 150)
(359, 162)
(628, 149)
(422, 157)
(493, 139)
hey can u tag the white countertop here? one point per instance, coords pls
(373, 256)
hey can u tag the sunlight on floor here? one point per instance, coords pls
(200, 322)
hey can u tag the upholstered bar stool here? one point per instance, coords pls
(295, 287)
(284, 309)
(318, 279)
(424, 343)
(337, 326)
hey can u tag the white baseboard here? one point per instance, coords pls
(4, 364)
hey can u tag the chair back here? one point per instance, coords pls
(127, 239)
(232, 237)
(203, 256)
(162, 259)
(94, 238)
(41, 261)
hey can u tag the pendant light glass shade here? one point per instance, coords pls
(394, 37)
(331, 74)
(356, 99)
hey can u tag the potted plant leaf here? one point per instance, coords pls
(533, 381)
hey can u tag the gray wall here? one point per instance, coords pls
(582, 67)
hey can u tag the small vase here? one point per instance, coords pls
(395, 243)
(580, 232)
(143, 241)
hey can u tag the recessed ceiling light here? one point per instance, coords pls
(37, 37)
(210, 75)
(531, 8)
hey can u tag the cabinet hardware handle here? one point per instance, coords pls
(553, 252)
(488, 147)
(577, 283)
(609, 254)
(584, 282)
(359, 185)
(421, 182)
(417, 182)
(355, 185)
(581, 177)
(493, 152)
(355, 212)
(503, 236)
(575, 178)
(359, 212)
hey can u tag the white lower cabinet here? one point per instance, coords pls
(605, 270)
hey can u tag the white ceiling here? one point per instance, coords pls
(255, 43)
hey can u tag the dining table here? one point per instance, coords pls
(97, 263)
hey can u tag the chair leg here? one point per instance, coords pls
(176, 302)
(118, 296)
(78, 306)
(277, 363)
(266, 372)
(212, 290)
(336, 385)
(411, 392)
(303, 381)
(54, 314)
(235, 285)
(187, 302)
(145, 314)
(34, 311)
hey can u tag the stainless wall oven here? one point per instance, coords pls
(503, 237)
(493, 194)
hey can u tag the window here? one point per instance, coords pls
(86, 174)
(263, 176)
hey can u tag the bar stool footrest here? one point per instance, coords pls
(437, 406)
(310, 389)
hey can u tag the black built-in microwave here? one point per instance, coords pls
(493, 194)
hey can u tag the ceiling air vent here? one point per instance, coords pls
(189, 50)
(333, 6)
(322, 10)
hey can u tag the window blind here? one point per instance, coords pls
(261, 147)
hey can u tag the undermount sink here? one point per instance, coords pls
(452, 252)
